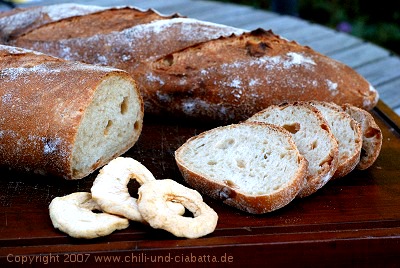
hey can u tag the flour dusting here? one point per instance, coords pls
(297, 59)
(6, 98)
(51, 145)
(67, 10)
(24, 19)
(332, 87)
(14, 73)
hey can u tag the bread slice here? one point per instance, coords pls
(313, 137)
(371, 135)
(64, 118)
(348, 135)
(254, 167)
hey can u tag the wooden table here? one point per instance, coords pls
(352, 221)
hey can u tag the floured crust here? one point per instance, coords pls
(237, 197)
(101, 20)
(124, 37)
(19, 21)
(371, 136)
(183, 66)
(258, 70)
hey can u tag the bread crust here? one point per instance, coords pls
(371, 136)
(126, 37)
(255, 204)
(43, 102)
(346, 165)
(184, 68)
(258, 70)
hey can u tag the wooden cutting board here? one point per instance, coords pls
(353, 220)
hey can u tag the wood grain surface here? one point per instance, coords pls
(353, 220)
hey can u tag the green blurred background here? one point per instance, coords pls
(374, 21)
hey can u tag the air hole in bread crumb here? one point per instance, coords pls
(292, 128)
(225, 143)
(211, 163)
(314, 145)
(124, 106)
(240, 163)
(371, 132)
(107, 129)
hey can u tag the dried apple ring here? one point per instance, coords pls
(152, 203)
(110, 188)
(73, 214)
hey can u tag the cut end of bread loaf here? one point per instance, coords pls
(110, 126)
(251, 166)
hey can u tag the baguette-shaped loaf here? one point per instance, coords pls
(233, 77)
(120, 37)
(191, 68)
(254, 167)
(64, 118)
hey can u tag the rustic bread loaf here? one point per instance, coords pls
(187, 67)
(347, 133)
(233, 77)
(254, 167)
(371, 136)
(119, 37)
(313, 137)
(64, 118)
